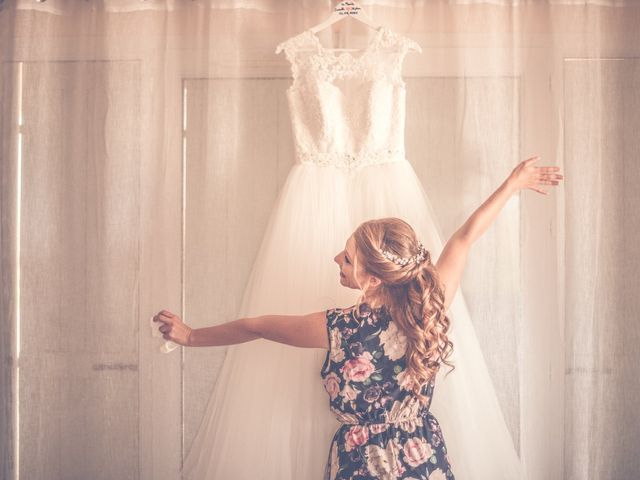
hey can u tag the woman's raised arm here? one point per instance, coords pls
(452, 260)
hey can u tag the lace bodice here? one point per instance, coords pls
(348, 109)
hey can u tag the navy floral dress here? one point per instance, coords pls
(386, 433)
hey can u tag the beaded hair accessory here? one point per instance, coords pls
(417, 258)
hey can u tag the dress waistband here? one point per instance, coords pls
(352, 160)
(349, 420)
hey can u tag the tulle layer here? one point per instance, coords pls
(268, 417)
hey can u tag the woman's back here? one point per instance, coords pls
(387, 433)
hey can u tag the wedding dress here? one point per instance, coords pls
(268, 417)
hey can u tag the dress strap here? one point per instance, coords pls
(392, 39)
(301, 41)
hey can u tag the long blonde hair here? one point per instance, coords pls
(413, 294)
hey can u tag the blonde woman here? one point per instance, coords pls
(383, 353)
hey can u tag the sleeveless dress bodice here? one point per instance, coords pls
(348, 109)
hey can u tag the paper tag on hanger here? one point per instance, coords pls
(347, 8)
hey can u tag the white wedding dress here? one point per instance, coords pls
(268, 417)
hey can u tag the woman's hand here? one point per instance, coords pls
(173, 328)
(526, 175)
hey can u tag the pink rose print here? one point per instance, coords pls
(356, 436)
(358, 369)
(376, 428)
(349, 393)
(404, 380)
(332, 385)
(417, 451)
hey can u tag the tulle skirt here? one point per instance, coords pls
(268, 417)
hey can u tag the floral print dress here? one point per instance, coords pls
(386, 433)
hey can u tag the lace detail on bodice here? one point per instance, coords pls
(348, 108)
(350, 161)
(306, 54)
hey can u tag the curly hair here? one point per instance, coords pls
(413, 293)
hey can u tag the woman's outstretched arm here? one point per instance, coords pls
(296, 330)
(452, 260)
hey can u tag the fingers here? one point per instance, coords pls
(171, 328)
(543, 175)
(532, 175)
(545, 181)
(158, 318)
(164, 316)
(167, 334)
(166, 331)
(539, 191)
(541, 169)
(168, 321)
(548, 171)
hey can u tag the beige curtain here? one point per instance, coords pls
(143, 144)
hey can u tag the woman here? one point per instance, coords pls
(384, 351)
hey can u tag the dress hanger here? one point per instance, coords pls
(340, 11)
(343, 10)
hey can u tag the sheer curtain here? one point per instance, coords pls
(143, 144)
